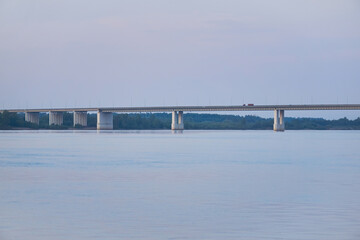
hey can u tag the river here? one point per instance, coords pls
(196, 185)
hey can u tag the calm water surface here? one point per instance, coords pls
(195, 185)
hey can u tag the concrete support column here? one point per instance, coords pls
(174, 122)
(80, 118)
(56, 118)
(282, 114)
(104, 120)
(279, 125)
(276, 117)
(177, 122)
(180, 120)
(32, 117)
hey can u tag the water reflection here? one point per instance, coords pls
(177, 131)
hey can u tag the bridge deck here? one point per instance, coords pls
(197, 108)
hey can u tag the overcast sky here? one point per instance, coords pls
(79, 53)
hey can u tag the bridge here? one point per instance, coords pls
(105, 115)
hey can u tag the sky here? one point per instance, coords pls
(80, 53)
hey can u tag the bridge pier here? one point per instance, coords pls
(105, 121)
(177, 122)
(56, 118)
(80, 118)
(32, 117)
(279, 124)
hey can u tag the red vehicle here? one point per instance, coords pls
(250, 104)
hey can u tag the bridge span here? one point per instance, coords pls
(105, 114)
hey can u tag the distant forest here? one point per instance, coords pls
(191, 121)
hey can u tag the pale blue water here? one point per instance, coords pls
(196, 185)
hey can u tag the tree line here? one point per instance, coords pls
(191, 121)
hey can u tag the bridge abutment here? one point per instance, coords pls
(105, 121)
(56, 118)
(279, 124)
(32, 117)
(177, 122)
(80, 118)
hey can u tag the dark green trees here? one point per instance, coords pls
(192, 121)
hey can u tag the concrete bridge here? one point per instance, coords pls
(105, 115)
